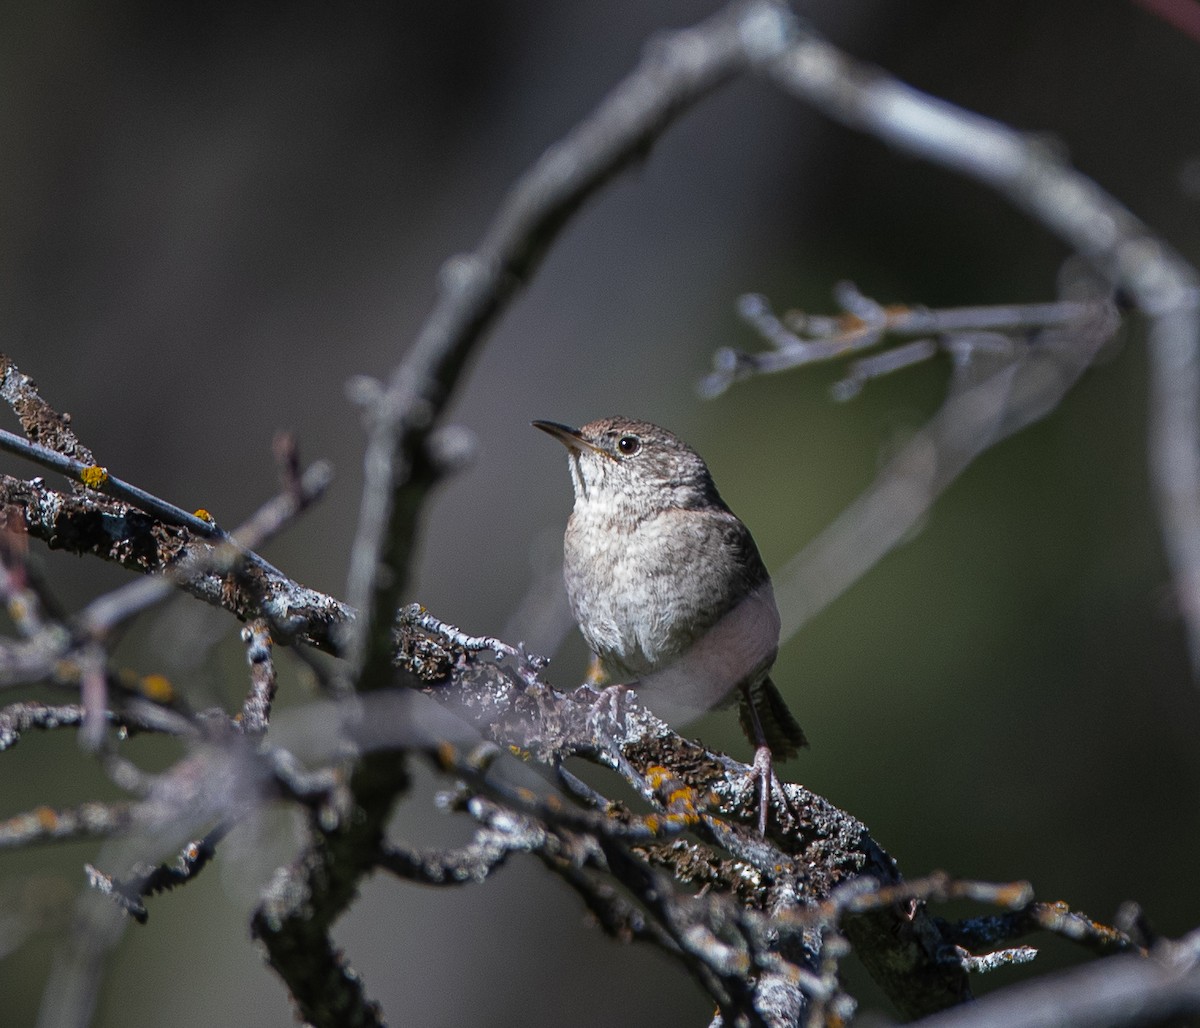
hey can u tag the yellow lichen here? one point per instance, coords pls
(656, 775)
(94, 476)
(157, 688)
(1015, 895)
(204, 515)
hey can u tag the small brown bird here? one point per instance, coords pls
(667, 585)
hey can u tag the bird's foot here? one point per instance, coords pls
(606, 706)
(763, 772)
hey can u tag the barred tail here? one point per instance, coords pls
(782, 732)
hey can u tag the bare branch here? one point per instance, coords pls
(1057, 918)
(41, 422)
(129, 892)
(1124, 990)
(990, 398)
(1035, 179)
(501, 836)
(300, 905)
(256, 710)
(88, 523)
(44, 824)
(799, 339)
(99, 479)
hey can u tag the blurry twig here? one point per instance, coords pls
(501, 835)
(1056, 918)
(46, 824)
(799, 339)
(990, 398)
(1036, 179)
(256, 710)
(133, 717)
(1119, 991)
(147, 881)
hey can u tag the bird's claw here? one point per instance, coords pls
(606, 706)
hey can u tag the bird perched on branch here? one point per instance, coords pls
(667, 585)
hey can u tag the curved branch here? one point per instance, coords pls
(1035, 179)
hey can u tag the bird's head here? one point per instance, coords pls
(620, 462)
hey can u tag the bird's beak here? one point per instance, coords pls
(569, 437)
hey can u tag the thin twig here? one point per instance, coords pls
(1119, 991)
(986, 403)
(502, 835)
(1056, 918)
(148, 881)
(256, 710)
(1036, 179)
(103, 614)
(800, 339)
(99, 479)
(41, 422)
(45, 824)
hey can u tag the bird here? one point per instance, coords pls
(668, 587)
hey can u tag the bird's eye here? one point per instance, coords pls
(629, 445)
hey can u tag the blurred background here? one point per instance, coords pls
(212, 215)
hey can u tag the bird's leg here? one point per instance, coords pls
(595, 672)
(763, 768)
(764, 771)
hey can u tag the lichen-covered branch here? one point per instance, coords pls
(96, 525)
(41, 423)
(294, 919)
(760, 921)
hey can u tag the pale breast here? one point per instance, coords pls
(643, 597)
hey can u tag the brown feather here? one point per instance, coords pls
(783, 733)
